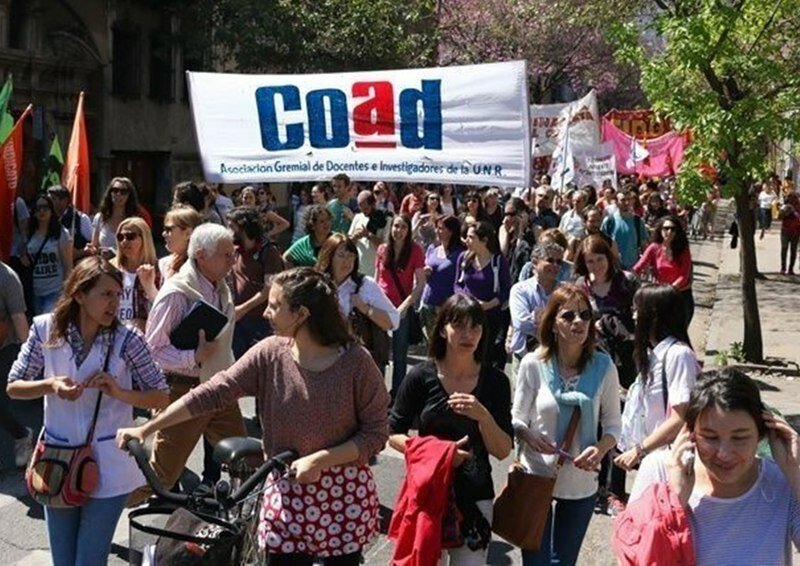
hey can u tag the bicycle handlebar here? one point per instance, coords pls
(135, 448)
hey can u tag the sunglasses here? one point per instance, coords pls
(570, 316)
(127, 236)
(42, 208)
(668, 228)
(120, 190)
(553, 260)
(168, 228)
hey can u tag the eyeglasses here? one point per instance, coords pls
(42, 208)
(668, 228)
(120, 190)
(570, 316)
(553, 260)
(127, 236)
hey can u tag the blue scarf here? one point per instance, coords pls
(583, 396)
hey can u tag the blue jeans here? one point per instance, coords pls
(400, 353)
(563, 533)
(81, 536)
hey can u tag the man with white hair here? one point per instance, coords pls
(202, 277)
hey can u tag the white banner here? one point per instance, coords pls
(578, 130)
(546, 124)
(595, 166)
(465, 125)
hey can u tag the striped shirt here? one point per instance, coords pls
(145, 374)
(165, 316)
(754, 528)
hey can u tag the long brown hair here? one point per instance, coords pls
(547, 336)
(307, 287)
(83, 277)
(325, 259)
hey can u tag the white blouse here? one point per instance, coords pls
(370, 293)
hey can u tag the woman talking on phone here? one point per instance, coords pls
(711, 499)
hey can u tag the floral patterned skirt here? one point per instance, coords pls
(336, 515)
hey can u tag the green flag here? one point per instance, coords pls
(55, 163)
(6, 120)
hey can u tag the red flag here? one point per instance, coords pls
(11, 152)
(75, 175)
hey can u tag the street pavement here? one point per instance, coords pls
(717, 324)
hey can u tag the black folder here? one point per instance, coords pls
(202, 316)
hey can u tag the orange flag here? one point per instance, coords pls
(75, 175)
(11, 152)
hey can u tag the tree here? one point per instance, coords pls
(303, 36)
(728, 70)
(564, 43)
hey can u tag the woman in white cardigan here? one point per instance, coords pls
(565, 372)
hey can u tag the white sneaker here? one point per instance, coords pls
(23, 448)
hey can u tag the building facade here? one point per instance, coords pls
(125, 55)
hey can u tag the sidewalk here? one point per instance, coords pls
(778, 301)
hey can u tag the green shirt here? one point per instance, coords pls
(339, 222)
(303, 253)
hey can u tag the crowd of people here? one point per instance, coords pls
(532, 304)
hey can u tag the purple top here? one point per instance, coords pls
(484, 285)
(442, 275)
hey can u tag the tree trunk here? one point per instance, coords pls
(753, 346)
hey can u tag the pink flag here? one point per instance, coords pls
(664, 153)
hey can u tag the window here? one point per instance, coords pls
(126, 61)
(162, 84)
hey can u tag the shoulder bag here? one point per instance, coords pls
(415, 335)
(522, 508)
(373, 337)
(65, 476)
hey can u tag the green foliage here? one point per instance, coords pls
(304, 36)
(727, 70)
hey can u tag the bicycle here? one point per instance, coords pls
(224, 525)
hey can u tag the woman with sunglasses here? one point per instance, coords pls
(137, 262)
(668, 369)
(456, 397)
(473, 211)
(669, 259)
(423, 223)
(49, 255)
(274, 223)
(564, 374)
(359, 295)
(611, 291)
(179, 222)
(119, 202)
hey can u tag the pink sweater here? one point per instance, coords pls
(300, 409)
(676, 271)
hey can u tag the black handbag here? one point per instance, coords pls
(373, 337)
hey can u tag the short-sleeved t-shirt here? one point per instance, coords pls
(12, 301)
(754, 528)
(48, 274)
(416, 260)
(303, 253)
(125, 310)
(681, 373)
(339, 221)
(422, 395)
